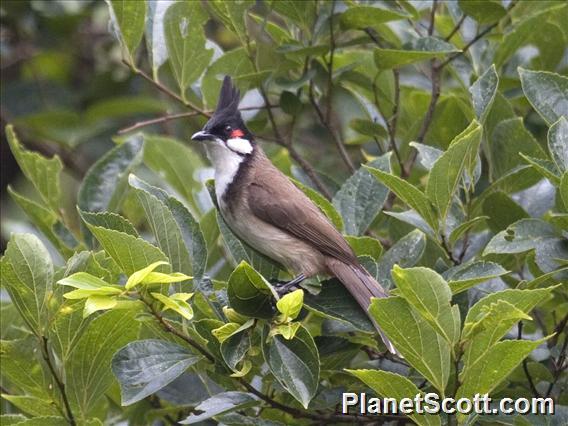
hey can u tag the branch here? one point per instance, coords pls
(304, 165)
(456, 28)
(167, 91)
(432, 17)
(338, 143)
(60, 385)
(525, 364)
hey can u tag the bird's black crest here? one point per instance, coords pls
(229, 98)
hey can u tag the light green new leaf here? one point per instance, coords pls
(558, 143)
(409, 194)
(176, 304)
(423, 348)
(88, 373)
(176, 231)
(421, 49)
(27, 275)
(219, 404)
(139, 276)
(483, 92)
(130, 253)
(185, 39)
(129, 17)
(175, 162)
(494, 367)
(84, 281)
(288, 331)
(323, 204)
(392, 385)
(291, 304)
(447, 172)
(32, 405)
(467, 275)
(547, 92)
(295, 363)
(144, 367)
(234, 346)
(431, 296)
(98, 303)
(362, 17)
(361, 197)
(42, 172)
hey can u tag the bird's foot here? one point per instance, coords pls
(285, 287)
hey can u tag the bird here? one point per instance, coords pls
(264, 208)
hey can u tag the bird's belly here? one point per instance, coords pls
(292, 253)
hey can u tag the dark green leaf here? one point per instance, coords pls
(129, 17)
(406, 252)
(145, 366)
(547, 92)
(361, 17)
(484, 12)
(421, 49)
(294, 363)
(483, 92)
(249, 293)
(220, 404)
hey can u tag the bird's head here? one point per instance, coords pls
(226, 128)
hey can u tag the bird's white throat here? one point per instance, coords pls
(226, 162)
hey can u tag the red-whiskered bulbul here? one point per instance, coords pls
(265, 209)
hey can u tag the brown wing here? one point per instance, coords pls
(279, 202)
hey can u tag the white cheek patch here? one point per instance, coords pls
(242, 146)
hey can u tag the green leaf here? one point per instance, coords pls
(42, 172)
(130, 253)
(299, 12)
(361, 197)
(288, 331)
(175, 162)
(447, 172)
(21, 366)
(129, 17)
(67, 327)
(467, 275)
(139, 276)
(365, 246)
(481, 344)
(294, 363)
(459, 230)
(431, 296)
(103, 187)
(483, 92)
(88, 373)
(47, 222)
(494, 367)
(335, 302)
(290, 103)
(409, 194)
(558, 143)
(27, 275)
(484, 12)
(323, 204)
(110, 221)
(419, 50)
(546, 168)
(235, 343)
(291, 304)
(249, 293)
(502, 211)
(509, 139)
(185, 39)
(96, 303)
(219, 404)
(144, 367)
(232, 15)
(85, 281)
(563, 189)
(174, 303)
(368, 128)
(361, 17)
(178, 234)
(547, 92)
(427, 155)
(524, 235)
(406, 252)
(42, 421)
(492, 316)
(32, 405)
(392, 385)
(417, 341)
(155, 40)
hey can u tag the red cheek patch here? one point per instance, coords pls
(237, 133)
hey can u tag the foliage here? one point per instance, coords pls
(433, 135)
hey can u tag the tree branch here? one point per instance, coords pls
(60, 385)
(432, 17)
(456, 28)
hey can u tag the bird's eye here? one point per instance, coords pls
(228, 128)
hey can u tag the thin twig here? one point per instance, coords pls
(330, 65)
(60, 385)
(167, 91)
(432, 17)
(338, 143)
(525, 364)
(456, 28)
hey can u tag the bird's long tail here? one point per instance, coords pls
(362, 287)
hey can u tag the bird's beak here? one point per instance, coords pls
(202, 136)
